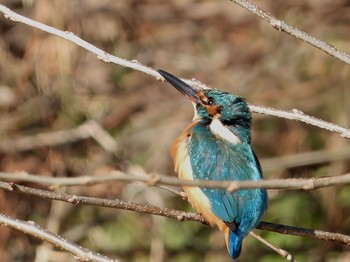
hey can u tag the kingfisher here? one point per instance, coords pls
(217, 146)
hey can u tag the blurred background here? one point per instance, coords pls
(49, 84)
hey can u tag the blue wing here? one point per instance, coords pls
(213, 159)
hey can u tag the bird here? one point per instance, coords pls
(217, 146)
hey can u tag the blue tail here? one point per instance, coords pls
(234, 244)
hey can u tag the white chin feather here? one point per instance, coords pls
(196, 116)
(218, 129)
(222, 132)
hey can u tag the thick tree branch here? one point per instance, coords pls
(282, 26)
(30, 228)
(104, 56)
(155, 179)
(167, 212)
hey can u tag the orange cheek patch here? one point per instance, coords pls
(202, 96)
(213, 110)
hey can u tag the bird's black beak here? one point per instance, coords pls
(185, 89)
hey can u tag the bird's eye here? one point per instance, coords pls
(210, 101)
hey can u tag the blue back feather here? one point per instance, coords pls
(215, 159)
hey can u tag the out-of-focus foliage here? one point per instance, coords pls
(49, 84)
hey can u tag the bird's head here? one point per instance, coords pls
(212, 104)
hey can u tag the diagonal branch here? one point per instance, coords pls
(167, 212)
(102, 202)
(108, 58)
(284, 253)
(304, 159)
(155, 179)
(305, 232)
(30, 228)
(298, 115)
(282, 26)
(53, 138)
(101, 55)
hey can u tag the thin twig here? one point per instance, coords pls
(31, 228)
(278, 250)
(102, 202)
(298, 115)
(167, 212)
(306, 159)
(86, 130)
(155, 179)
(106, 57)
(311, 233)
(282, 26)
(101, 55)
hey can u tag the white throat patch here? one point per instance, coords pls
(222, 132)
(196, 116)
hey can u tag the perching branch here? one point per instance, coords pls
(282, 26)
(102, 202)
(30, 228)
(311, 233)
(108, 58)
(167, 212)
(155, 179)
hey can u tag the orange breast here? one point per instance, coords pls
(183, 167)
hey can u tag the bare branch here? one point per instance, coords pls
(106, 57)
(155, 179)
(278, 250)
(115, 203)
(306, 159)
(282, 26)
(86, 130)
(31, 228)
(311, 233)
(101, 55)
(167, 212)
(298, 115)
